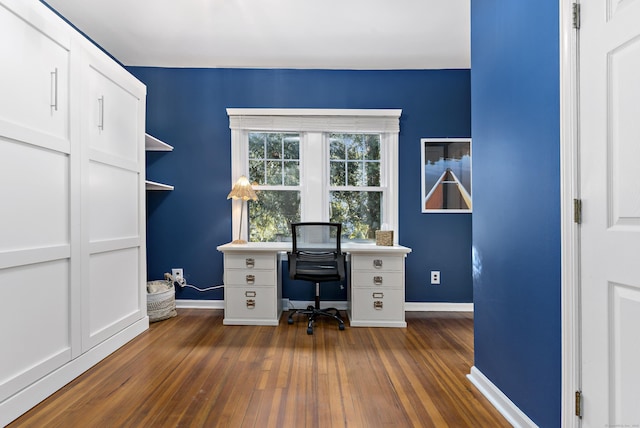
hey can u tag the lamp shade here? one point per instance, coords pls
(242, 190)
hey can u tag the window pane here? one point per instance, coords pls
(372, 147)
(267, 152)
(362, 153)
(359, 213)
(256, 146)
(291, 173)
(373, 173)
(354, 173)
(270, 217)
(291, 146)
(337, 177)
(355, 148)
(274, 146)
(256, 171)
(274, 173)
(336, 150)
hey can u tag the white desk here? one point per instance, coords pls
(253, 284)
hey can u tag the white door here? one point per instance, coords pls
(609, 156)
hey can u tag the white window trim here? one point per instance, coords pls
(386, 122)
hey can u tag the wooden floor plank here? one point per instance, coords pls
(191, 371)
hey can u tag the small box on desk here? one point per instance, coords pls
(384, 237)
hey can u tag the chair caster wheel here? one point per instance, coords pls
(341, 327)
(290, 320)
(309, 330)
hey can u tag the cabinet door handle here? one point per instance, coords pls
(54, 89)
(377, 305)
(378, 295)
(250, 263)
(377, 263)
(251, 304)
(251, 279)
(101, 113)
(377, 280)
(250, 294)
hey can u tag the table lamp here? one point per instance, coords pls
(242, 190)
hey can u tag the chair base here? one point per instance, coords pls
(312, 313)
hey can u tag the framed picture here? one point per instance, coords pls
(446, 175)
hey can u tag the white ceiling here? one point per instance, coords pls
(327, 34)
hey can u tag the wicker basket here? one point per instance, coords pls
(161, 304)
(384, 237)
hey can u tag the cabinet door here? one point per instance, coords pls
(34, 76)
(112, 133)
(113, 103)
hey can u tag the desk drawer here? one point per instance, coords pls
(377, 262)
(380, 279)
(250, 261)
(235, 277)
(371, 304)
(250, 303)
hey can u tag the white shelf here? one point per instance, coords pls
(152, 144)
(152, 185)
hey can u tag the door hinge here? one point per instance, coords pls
(579, 404)
(576, 15)
(577, 211)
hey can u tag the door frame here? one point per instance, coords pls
(570, 231)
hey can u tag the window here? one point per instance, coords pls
(355, 190)
(316, 165)
(274, 171)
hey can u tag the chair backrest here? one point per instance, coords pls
(316, 254)
(316, 237)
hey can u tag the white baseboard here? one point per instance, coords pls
(501, 402)
(437, 307)
(199, 304)
(22, 401)
(340, 305)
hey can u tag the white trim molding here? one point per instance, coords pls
(312, 124)
(569, 230)
(437, 307)
(501, 402)
(199, 304)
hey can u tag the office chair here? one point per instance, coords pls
(316, 256)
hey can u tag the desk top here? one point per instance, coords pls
(347, 247)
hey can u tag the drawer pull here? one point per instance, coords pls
(250, 263)
(251, 304)
(251, 279)
(377, 263)
(378, 295)
(377, 280)
(250, 294)
(377, 305)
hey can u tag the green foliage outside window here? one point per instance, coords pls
(355, 196)
(270, 217)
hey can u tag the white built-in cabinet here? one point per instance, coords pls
(72, 205)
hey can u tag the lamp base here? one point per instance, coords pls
(238, 241)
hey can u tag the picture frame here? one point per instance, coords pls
(446, 175)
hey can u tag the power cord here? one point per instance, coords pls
(181, 282)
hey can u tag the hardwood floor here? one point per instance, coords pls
(191, 371)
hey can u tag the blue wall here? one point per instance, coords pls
(186, 108)
(516, 219)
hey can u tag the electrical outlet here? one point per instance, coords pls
(178, 275)
(435, 277)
